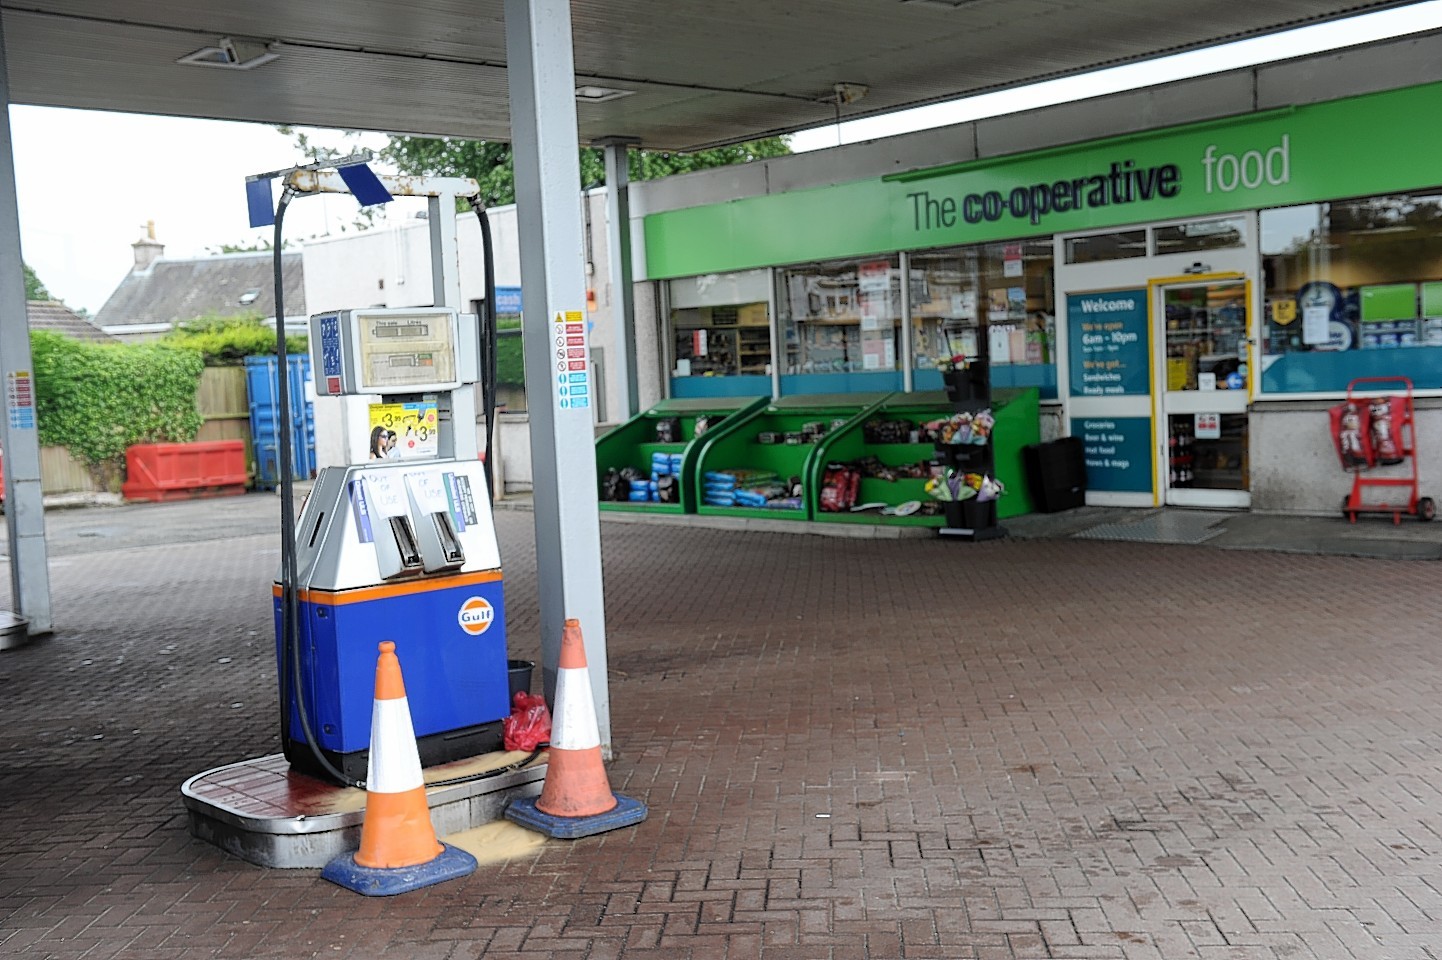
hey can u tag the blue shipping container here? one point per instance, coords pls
(262, 388)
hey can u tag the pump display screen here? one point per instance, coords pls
(392, 350)
(397, 351)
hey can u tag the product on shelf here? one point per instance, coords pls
(951, 484)
(873, 468)
(629, 485)
(889, 431)
(741, 487)
(839, 487)
(962, 427)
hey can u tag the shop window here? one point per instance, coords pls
(842, 318)
(1353, 288)
(720, 327)
(1107, 246)
(1000, 291)
(1199, 235)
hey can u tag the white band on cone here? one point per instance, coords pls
(395, 761)
(574, 726)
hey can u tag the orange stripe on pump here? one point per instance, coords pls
(361, 594)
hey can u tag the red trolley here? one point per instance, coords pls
(1389, 437)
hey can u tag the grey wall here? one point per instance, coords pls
(1295, 467)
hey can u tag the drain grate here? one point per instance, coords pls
(1166, 526)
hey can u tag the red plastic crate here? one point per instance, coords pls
(178, 471)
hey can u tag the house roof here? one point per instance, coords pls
(56, 317)
(174, 290)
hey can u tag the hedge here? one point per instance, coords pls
(227, 341)
(97, 399)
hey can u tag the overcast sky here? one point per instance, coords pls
(88, 182)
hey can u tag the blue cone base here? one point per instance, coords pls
(627, 812)
(450, 864)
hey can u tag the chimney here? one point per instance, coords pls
(147, 249)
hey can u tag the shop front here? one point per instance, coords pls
(1159, 359)
(1188, 301)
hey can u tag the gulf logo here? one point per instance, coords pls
(476, 615)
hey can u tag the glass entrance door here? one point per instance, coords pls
(1203, 404)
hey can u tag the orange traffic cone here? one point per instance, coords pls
(576, 800)
(398, 849)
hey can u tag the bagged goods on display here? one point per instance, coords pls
(761, 489)
(839, 487)
(954, 485)
(961, 427)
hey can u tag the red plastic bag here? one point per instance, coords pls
(529, 724)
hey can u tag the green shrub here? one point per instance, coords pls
(97, 399)
(227, 341)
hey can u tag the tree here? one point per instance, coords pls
(34, 289)
(490, 163)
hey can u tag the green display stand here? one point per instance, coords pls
(1017, 424)
(734, 445)
(632, 443)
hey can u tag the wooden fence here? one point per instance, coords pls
(223, 403)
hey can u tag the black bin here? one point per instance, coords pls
(970, 514)
(1056, 474)
(519, 674)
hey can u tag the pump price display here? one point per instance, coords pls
(403, 351)
(386, 351)
(573, 376)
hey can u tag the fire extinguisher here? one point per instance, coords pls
(1384, 440)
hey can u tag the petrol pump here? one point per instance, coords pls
(401, 544)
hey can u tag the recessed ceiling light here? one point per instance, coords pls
(229, 54)
(593, 94)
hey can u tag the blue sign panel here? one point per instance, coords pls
(1110, 349)
(1117, 451)
(508, 300)
(330, 362)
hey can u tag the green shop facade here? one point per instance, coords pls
(1188, 300)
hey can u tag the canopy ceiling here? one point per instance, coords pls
(697, 74)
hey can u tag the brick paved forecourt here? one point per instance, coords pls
(850, 748)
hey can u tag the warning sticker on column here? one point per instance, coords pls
(573, 373)
(20, 400)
